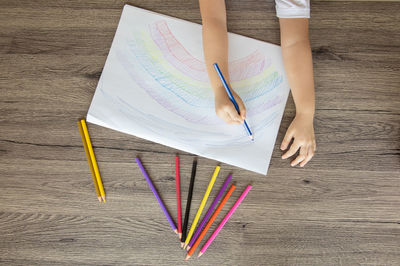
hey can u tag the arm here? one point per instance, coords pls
(297, 59)
(215, 45)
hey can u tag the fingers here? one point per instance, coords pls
(303, 134)
(227, 118)
(231, 111)
(242, 108)
(302, 155)
(293, 149)
(305, 155)
(226, 110)
(233, 121)
(310, 154)
(286, 140)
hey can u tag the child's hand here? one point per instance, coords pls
(302, 130)
(226, 110)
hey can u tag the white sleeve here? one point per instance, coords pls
(292, 8)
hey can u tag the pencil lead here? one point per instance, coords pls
(187, 257)
(251, 137)
(199, 254)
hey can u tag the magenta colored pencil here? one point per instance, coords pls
(210, 210)
(146, 176)
(226, 218)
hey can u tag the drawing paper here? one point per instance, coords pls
(155, 86)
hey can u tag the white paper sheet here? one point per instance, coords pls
(155, 86)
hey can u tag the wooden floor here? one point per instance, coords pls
(342, 209)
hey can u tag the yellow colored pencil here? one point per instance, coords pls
(202, 204)
(89, 160)
(94, 163)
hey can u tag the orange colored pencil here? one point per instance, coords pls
(210, 222)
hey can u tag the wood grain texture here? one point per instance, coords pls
(342, 209)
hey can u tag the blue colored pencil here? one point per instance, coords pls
(228, 91)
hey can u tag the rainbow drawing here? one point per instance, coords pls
(155, 86)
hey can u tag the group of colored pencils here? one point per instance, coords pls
(191, 240)
(87, 145)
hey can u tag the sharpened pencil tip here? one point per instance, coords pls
(99, 198)
(176, 231)
(182, 244)
(188, 248)
(180, 236)
(251, 137)
(199, 255)
(185, 246)
(187, 257)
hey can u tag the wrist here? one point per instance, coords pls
(308, 114)
(219, 92)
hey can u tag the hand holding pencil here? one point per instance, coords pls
(225, 109)
(233, 99)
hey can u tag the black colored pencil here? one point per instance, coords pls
(188, 202)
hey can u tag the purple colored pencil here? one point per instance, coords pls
(171, 222)
(210, 210)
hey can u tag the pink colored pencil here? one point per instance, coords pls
(178, 195)
(226, 218)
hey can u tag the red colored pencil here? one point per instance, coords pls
(178, 195)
